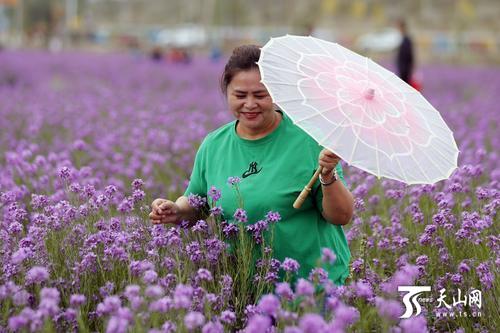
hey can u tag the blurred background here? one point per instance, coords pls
(451, 31)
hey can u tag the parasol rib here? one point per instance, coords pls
(375, 136)
(443, 157)
(421, 106)
(356, 142)
(326, 50)
(294, 100)
(445, 147)
(398, 162)
(297, 52)
(283, 69)
(291, 61)
(331, 132)
(418, 166)
(354, 148)
(376, 153)
(281, 83)
(319, 113)
(432, 161)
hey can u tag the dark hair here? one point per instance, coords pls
(244, 58)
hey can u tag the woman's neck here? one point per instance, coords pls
(255, 134)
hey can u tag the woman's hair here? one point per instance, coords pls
(244, 58)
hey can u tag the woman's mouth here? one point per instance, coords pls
(250, 115)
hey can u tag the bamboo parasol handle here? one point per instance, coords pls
(307, 189)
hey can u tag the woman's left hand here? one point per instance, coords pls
(328, 161)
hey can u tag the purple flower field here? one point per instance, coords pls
(88, 141)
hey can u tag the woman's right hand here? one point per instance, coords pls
(164, 211)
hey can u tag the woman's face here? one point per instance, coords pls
(250, 102)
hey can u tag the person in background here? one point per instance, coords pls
(215, 53)
(156, 54)
(178, 55)
(272, 159)
(405, 59)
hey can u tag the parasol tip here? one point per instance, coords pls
(369, 94)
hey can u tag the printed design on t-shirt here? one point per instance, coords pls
(252, 170)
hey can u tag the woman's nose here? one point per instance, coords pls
(250, 103)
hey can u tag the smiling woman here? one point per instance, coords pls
(247, 97)
(252, 105)
(273, 158)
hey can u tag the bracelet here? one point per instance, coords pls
(334, 178)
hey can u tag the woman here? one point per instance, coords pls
(274, 160)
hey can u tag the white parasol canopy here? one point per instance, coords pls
(359, 110)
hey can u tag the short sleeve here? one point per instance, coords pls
(318, 193)
(198, 181)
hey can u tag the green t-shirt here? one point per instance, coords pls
(273, 171)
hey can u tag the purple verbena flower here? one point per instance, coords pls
(363, 289)
(150, 276)
(216, 211)
(213, 327)
(214, 193)
(328, 256)
(463, 267)
(36, 275)
(77, 300)
(416, 324)
(233, 180)
(284, 291)
(138, 195)
(273, 217)
(154, 291)
(228, 317)
(485, 275)
(304, 288)
(201, 226)
(204, 275)
(422, 260)
(318, 275)
(132, 291)
(110, 305)
(389, 309)
(65, 173)
(197, 201)
(258, 324)
(269, 304)
(183, 296)
(240, 215)
(162, 305)
(193, 320)
(137, 184)
(169, 327)
(312, 323)
(194, 251)
(344, 316)
(290, 265)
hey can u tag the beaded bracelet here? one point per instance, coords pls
(334, 178)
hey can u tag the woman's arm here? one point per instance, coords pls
(338, 202)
